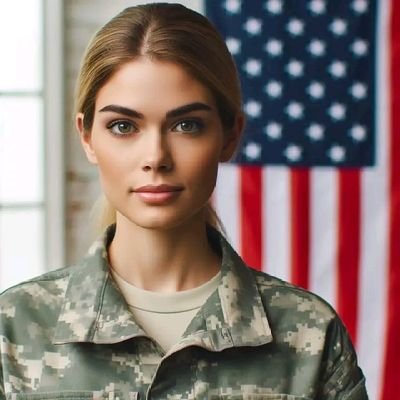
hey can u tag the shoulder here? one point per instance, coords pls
(298, 318)
(287, 299)
(279, 298)
(309, 325)
(46, 281)
(41, 295)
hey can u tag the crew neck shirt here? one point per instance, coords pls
(165, 316)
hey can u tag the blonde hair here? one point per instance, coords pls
(164, 32)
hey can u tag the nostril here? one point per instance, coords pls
(164, 167)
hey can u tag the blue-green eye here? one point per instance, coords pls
(121, 128)
(188, 126)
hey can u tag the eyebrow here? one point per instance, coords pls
(188, 108)
(122, 110)
(176, 112)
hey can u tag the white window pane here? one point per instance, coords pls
(21, 149)
(21, 45)
(21, 245)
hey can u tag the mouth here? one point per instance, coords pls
(158, 189)
(158, 194)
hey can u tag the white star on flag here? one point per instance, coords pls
(358, 132)
(316, 47)
(253, 67)
(338, 27)
(273, 89)
(253, 26)
(316, 90)
(315, 131)
(274, 130)
(358, 90)
(359, 47)
(295, 68)
(295, 110)
(293, 152)
(317, 6)
(337, 111)
(295, 27)
(337, 69)
(253, 108)
(337, 153)
(233, 6)
(233, 45)
(252, 151)
(274, 6)
(274, 47)
(360, 6)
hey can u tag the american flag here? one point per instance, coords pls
(313, 196)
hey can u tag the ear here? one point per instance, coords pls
(232, 138)
(86, 139)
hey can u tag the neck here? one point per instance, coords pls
(163, 260)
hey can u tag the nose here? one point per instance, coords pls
(156, 153)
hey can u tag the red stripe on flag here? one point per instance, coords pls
(392, 361)
(349, 231)
(251, 215)
(300, 226)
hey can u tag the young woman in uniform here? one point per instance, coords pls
(162, 307)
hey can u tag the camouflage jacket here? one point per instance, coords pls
(70, 335)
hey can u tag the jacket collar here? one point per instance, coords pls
(95, 311)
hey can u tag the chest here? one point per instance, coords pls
(138, 370)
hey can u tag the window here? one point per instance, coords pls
(28, 198)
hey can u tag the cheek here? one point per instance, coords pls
(110, 164)
(201, 166)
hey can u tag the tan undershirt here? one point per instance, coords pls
(165, 316)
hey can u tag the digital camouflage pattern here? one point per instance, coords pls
(70, 335)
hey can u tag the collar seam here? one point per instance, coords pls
(96, 325)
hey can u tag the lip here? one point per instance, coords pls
(158, 194)
(164, 188)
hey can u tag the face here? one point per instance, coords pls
(157, 140)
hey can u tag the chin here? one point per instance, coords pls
(161, 220)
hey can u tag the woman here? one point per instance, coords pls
(162, 307)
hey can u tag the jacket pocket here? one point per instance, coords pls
(70, 395)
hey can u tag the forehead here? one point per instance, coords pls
(140, 81)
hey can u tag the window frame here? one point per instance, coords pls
(50, 94)
(54, 169)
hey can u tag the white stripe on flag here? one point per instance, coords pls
(373, 276)
(323, 233)
(276, 223)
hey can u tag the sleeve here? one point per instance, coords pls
(341, 377)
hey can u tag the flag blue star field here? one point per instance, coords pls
(313, 194)
(307, 73)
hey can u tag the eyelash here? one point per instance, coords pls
(113, 124)
(199, 126)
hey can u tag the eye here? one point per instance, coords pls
(121, 128)
(188, 126)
